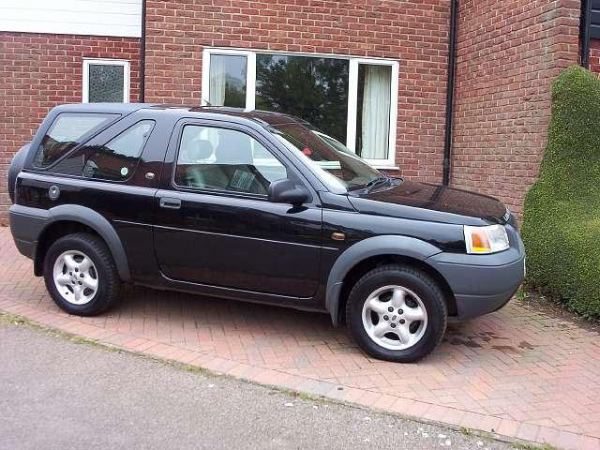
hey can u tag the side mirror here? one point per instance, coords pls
(287, 191)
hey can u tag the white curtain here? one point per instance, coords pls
(217, 80)
(376, 112)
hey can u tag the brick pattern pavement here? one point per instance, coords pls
(518, 372)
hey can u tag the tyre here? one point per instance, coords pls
(397, 313)
(80, 274)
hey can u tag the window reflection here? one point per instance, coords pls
(312, 88)
(228, 80)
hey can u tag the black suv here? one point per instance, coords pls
(254, 206)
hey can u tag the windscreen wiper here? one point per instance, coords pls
(376, 182)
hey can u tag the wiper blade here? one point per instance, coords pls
(376, 182)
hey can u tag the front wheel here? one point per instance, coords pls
(80, 274)
(397, 313)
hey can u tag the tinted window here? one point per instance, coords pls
(226, 160)
(116, 160)
(68, 131)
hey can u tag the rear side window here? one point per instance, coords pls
(115, 160)
(68, 131)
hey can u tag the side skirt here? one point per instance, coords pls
(299, 303)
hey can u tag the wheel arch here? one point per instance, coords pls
(66, 219)
(373, 252)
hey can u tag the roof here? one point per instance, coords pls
(263, 117)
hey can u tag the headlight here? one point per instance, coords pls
(483, 240)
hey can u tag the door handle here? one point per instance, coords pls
(172, 203)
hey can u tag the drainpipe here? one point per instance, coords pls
(450, 91)
(143, 55)
(586, 19)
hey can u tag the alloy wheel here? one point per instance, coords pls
(394, 317)
(75, 277)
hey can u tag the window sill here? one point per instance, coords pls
(383, 166)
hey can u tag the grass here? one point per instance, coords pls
(21, 321)
(466, 431)
(526, 446)
(522, 294)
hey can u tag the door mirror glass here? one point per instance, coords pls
(287, 191)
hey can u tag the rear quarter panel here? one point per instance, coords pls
(128, 205)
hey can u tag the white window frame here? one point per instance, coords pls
(354, 62)
(353, 109)
(85, 97)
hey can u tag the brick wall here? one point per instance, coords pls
(415, 32)
(595, 55)
(507, 56)
(39, 71)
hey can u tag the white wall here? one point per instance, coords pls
(87, 17)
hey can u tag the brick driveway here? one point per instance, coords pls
(518, 372)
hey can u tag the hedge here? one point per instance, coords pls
(561, 227)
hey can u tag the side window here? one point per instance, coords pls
(225, 160)
(66, 132)
(116, 160)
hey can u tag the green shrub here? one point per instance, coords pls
(561, 227)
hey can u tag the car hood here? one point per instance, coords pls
(426, 201)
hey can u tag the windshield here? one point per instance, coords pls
(336, 164)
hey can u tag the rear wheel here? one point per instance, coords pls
(81, 275)
(397, 313)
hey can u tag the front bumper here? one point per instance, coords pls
(483, 283)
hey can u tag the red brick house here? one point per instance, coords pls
(453, 91)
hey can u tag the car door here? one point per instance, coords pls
(215, 225)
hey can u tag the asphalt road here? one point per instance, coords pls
(59, 394)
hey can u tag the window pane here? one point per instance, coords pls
(314, 89)
(330, 159)
(67, 131)
(227, 80)
(373, 111)
(226, 160)
(106, 83)
(116, 160)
